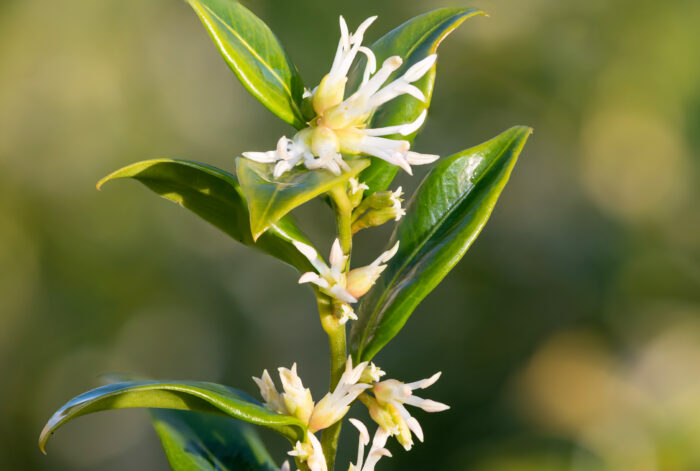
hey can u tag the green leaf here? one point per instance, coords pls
(188, 395)
(412, 41)
(443, 218)
(214, 195)
(255, 55)
(205, 442)
(269, 198)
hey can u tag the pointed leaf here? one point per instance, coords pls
(412, 41)
(214, 195)
(205, 442)
(443, 218)
(271, 198)
(187, 395)
(255, 55)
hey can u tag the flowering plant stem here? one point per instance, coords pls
(329, 316)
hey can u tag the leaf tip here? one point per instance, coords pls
(101, 182)
(44, 437)
(458, 20)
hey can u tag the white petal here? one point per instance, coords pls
(411, 90)
(316, 462)
(415, 125)
(339, 293)
(282, 148)
(313, 257)
(337, 257)
(310, 277)
(378, 79)
(419, 69)
(371, 66)
(364, 434)
(414, 158)
(429, 405)
(403, 129)
(344, 33)
(358, 35)
(415, 427)
(386, 256)
(262, 157)
(281, 167)
(424, 383)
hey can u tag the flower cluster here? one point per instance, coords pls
(387, 407)
(345, 287)
(341, 124)
(385, 404)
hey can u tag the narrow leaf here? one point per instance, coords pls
(188, 395)
(205, 442)
(412, 41)
(443, 218)
(215, 196)
(255, 55)
(270, 198)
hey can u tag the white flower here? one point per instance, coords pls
(391, 395)
(285, 466)
(356, 186)
(311, 452)
(396, 203)
(360, 280)
(333, 280)
(268, 391)
(346, 313)
(340, 126)
(372, 374)
(376, 452)
(335, 405)
(296, 400)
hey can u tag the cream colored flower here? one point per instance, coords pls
(335, 405)
(333, 280)
(387, 407)
(311, 452)
(295, 400)
(340, 126)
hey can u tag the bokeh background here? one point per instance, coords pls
(568, 337)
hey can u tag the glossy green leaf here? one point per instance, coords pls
(215, 196)
(269, 198)
(412, 41)
(443, 218)
(205, 442)
(255, 55)
(188, 395)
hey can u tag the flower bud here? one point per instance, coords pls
(324, 142)
(373, 218)
(377, 209)
(329, 93)
(404, 432)
(360, 280)
(388, 390)
(297, 399)
(372, 374)
(381, 415)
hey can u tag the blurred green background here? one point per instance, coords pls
(568, 337)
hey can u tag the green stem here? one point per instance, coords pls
(301, 465)
(330, 316)
(343, 216)
(338, 350)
